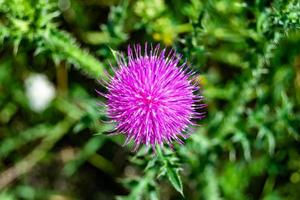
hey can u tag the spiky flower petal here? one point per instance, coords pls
(151, 97)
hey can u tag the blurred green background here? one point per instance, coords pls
(52, 135)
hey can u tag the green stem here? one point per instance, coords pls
(62, 42)
(27, 163)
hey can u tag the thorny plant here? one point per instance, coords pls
(247, 53)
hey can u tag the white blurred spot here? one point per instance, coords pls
(130, 171)
(39, 91)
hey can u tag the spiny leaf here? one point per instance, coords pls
(115, 53)
(174, 178)
(171, 169)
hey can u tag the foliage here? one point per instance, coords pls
(246, 55)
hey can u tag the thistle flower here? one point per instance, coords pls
(151, 98)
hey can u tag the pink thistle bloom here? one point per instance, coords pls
(151, 98)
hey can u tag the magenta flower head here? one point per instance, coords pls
(151, 97)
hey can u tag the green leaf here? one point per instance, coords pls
(141, 189)
(174, 178)
(171, 169)
(211, 189)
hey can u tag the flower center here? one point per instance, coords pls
(149, 101)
